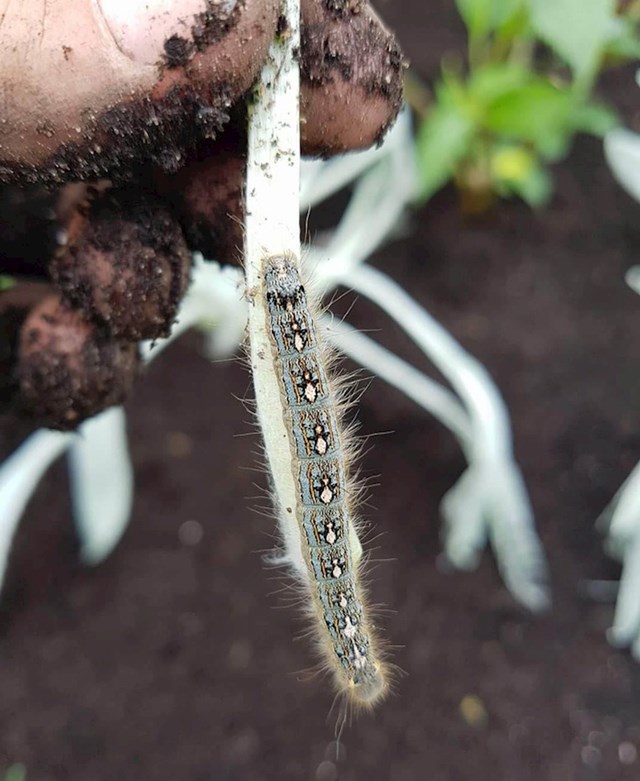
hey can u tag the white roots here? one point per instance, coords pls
(620, 521)
(488, 504)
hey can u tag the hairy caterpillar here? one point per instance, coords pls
(313, 495)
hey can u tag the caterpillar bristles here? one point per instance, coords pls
(310, 455)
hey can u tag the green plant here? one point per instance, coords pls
(497, 121)
(15, 772)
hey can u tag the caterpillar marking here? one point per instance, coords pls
(306, 453)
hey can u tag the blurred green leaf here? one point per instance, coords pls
(484, 16)
(6, 282)
(547, 116)
(516, 25)
(536, 188)
(577, 30)
(510, 162)
(623, 40)
(516, 171)
(451, 89)
(443, 141)
(624, 48)
(506, 118)
(594, 118)
(538, 113)
(489, 83)
(16, 773)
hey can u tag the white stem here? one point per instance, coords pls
(622, 150)
(215, 298)
(356, 236)
(321, 179)
(272, 230)
(100, 469)
(468, 377)
(632, 278)
(492, 498)
(626, 623)
(273, 155)
(427, 393)
(101, 478)
(622, 517)
(375, 208)
(19, 476)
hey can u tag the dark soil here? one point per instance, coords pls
(172, 660)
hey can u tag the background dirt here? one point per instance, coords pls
(173, 661)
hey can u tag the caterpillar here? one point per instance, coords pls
(313, 493)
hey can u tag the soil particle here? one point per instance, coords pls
(208, 28)
(15, 305)
(342, 8)
(213, 24)
(11, 319)
(282, 26)
(177, 51)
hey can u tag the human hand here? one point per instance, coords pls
(131, 116)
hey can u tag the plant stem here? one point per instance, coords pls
(272, 230)
(273, 165)
(427, 393)
(469, 378)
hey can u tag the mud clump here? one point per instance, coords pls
(125, 264)
(177, 52)
(68, 370)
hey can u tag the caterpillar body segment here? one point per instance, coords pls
(313, 491)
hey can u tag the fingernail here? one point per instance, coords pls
(140, 28)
